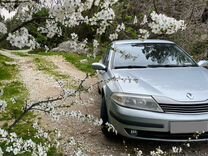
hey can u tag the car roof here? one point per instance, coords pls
(141, 41)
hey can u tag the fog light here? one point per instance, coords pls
(133, 132)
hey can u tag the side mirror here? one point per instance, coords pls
(203, 63)
(99, 66)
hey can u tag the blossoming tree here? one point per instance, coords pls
(66, 13)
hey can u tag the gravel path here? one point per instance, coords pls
(39, 85)
(89, 139)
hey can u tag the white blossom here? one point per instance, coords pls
(97, 2)
(95, 44)
(176, 149)
(17, 145)
(40, 132)
(113, 36)
(111, 128)
(120, 27)
(135, 20)
(13, 100)
(3, 105)
(138, 152)
(72, 141)
(144, 21)
(74, 36)
(46, 48)
(157, 152)
(51, 29)
(143, 34)
(79, 152)
(161, 24)
(22, 38)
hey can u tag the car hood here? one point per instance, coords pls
(174, 83)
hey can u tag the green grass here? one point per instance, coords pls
(48, 67)
(13, 89)
(75, 60)
(7, 72)
(17, 91)
(85, 67)
(22, 54)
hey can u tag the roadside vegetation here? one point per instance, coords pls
(80, 61)
(13, 96)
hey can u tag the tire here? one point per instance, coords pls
(104, 117)
(99, 91)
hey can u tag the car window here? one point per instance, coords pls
(150, 54)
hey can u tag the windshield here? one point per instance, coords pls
(141, 55)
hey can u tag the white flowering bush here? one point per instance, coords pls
(160, 24)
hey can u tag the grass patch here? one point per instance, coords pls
(48, 67)
(75, 60)
(85, 67)
(7, 71)
(22, 54)
(15, 94)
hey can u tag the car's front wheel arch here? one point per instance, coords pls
(103, 110)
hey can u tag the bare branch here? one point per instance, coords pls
(155, 6)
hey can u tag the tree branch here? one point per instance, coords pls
(155, 6)
(23, 25)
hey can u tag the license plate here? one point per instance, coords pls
(188, 127)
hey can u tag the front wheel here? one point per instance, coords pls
(104, 117)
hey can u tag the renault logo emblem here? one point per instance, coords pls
(190, 96)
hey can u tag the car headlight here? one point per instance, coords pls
(136, 101)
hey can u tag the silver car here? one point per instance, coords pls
(154, 90)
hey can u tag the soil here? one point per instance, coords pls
(88, 138)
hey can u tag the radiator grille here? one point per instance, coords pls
(185, 108)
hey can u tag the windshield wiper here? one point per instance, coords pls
(170, 65)
(129, 67)
(162, 65)
(155, 66)
(189, 65)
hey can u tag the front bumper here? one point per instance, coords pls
(139, 124)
